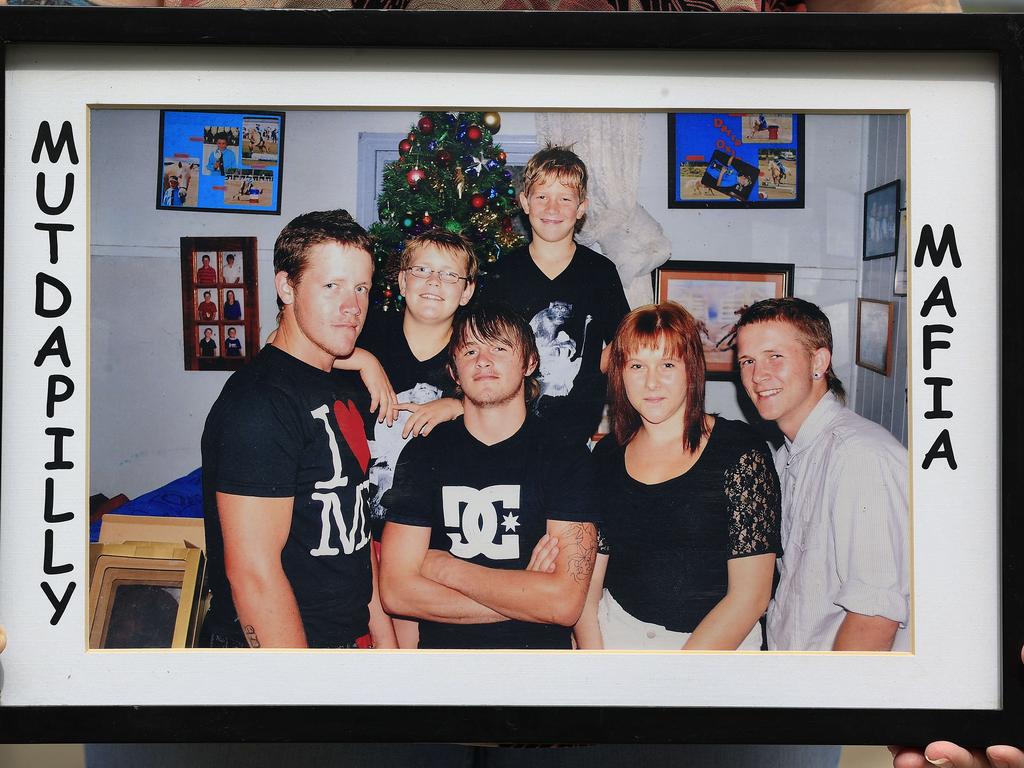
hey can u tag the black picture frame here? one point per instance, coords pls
(882, 221)
(999, 35)
(759, 281)
(728, 125)
(238, 188)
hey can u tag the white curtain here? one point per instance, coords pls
(612, 146)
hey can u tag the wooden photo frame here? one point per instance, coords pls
(67, 69)
(145, 595)
(220, 302)
(715, 293)
(874, 335)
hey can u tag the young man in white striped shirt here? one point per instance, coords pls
(844, 576)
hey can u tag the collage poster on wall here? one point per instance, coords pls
(221, 161)
(729, 160)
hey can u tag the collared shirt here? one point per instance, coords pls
(845, 528)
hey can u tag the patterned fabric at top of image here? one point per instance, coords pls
(479, 5)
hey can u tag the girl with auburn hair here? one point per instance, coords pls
(691, 503)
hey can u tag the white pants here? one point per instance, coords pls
(620, 630)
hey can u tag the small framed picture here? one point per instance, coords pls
(716, 293)
(874, 335)
(735, 160)
(220, 302)
(221, 161)
(881, 220)
(899, 280)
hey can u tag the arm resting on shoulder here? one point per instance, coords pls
(405, 591)
(376, 381)
(588, 631)
(865, 633)
(541, 598)
(255, 531)
(745, 601)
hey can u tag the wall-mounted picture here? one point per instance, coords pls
(874, 335)
(881, 220)
(221, 161)
(716, 293)
(728, 160)
(220, 302)
(899, 281)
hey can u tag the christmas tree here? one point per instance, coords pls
(449, 174)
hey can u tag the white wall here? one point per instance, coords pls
(147, 413)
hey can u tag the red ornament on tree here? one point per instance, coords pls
(411, 136)
(473, 133)
(506, 224)
(478, 200)
(426, 125)
(502, 157)
(404, 146)
(444, 157)
(428, 219)
(415, 176)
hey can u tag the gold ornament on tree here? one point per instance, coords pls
(508, 239)
(460, 181)
(492, 120)
(484, 220)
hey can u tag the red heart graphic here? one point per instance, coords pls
(350, 422)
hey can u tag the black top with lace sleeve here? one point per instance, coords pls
(669, 543)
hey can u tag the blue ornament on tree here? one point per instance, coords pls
(492, 193)
(507, 175)
(493, 165)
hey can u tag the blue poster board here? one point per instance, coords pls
(736, 159)
(220, 161)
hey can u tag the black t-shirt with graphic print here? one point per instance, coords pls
(669, 544)
(282, 428)
(489, 505)
(414, 381)
(572, 317)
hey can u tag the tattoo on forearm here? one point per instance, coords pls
(581, 561)
(250, 636)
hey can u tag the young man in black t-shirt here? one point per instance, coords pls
(285, 460)
(572, 295)
(490, 538)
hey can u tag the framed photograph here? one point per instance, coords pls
(95, 399)
(874, 335)
(735, 159)
(716, 293)
(899, 281)
(220, 302)
(882, 220)
(221, 161)
(145, 595)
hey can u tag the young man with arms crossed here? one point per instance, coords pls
(285, 461)
(490, 538)
(437, 274)
(844, 576)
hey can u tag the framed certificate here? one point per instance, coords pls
(91, 280)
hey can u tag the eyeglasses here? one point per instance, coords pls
(424, 273)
